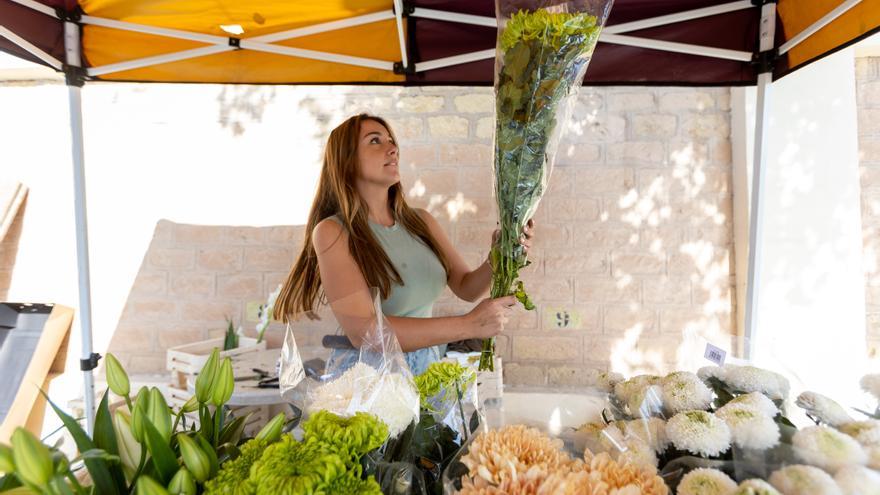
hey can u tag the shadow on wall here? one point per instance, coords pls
(9, 250)
(194, 277)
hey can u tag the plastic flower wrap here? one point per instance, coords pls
(699, 432)
(683, 391)
(374, 378)
(706, 481)
(518, 460)
(750, 427)
(866, 432)
(755, 487)
(448, 392)
(828, 448)
(823, 409)
(804, 480)
(542, 55)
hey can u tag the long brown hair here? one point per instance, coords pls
(338, 196)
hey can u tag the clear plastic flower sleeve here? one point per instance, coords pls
(341, 378)
(542, 53)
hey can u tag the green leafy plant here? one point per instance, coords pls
(230, 339)
(543, 59)
(144, 448)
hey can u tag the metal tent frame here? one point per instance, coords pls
(615, 34)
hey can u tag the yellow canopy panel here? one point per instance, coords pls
(797, 15)
(377, 40)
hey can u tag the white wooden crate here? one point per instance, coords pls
(188, 359)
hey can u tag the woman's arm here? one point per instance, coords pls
(347, 290)
(465, 283)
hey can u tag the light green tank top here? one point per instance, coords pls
(423, 281)
(422, 274)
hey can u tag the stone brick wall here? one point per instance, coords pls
(868, 94)
(633, 261)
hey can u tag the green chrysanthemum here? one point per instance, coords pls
(297, 468)
(352, 437)
(351, 484)
(233, 478)
(443, 376)
(554, 28)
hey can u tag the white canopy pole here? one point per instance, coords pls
(759, 169)
(74, 89)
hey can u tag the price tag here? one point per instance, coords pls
(715, 354)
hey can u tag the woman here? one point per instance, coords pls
(361, 233)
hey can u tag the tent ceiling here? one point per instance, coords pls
(365, 53)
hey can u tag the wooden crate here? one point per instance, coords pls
(187, 360)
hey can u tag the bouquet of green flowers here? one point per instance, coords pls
(541, 59)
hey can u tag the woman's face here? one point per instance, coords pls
(377, 155)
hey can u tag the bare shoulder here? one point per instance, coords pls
(427, 217)
(327, 234)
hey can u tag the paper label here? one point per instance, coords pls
(715, 354)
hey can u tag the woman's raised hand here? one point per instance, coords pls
(487, 319)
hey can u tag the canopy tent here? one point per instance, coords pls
(418, 42)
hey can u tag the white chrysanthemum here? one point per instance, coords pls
(753, 379)
(823, 408)
(749, 427)
(865, 432)
(395, 401)
(871, 384)
(755, 487)
(625, 389)
(707, 372)
(803, 480)
(602, 380)
(392, 398)
(703, 481)
(650, 430)
(684, 391)
(698, 432)
(858, 480)
(828, 448)
(756, 400)
(646, 403)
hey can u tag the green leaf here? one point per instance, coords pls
(99, 469)
(105, 436)
(522, 297)
(162, 456)
(8, 482)
(233, 430)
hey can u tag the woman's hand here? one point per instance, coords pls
(487, 319)
(528, 234)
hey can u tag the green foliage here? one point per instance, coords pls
(230, 339)
(443, 377)
(544, 56)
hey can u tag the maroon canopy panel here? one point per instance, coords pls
(39, 29)
(611, 64)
